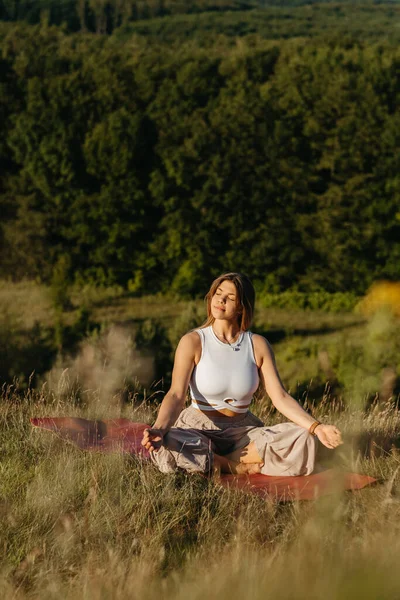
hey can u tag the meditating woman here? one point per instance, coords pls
(222, 363)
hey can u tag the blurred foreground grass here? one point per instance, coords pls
(89, 525)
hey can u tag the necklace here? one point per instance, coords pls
(225, 340)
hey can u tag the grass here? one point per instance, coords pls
(27, 313)
(30, 302)
(89, 525)
(26, 302)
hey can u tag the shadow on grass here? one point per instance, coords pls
(376, 444)
(367, 445)
(27, 354)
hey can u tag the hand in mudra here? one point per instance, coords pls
(152, 439)
(329, 435)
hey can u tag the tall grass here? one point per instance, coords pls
(90, 525)
(87, 525)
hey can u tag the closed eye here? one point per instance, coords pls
(219, 293)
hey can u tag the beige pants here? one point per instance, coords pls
(285, 449)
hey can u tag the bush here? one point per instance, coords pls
(320, 300)
(382, 294)
(59, 287)
(24, 354)
(190, 318)
(151, 337)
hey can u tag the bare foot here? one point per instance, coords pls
(223, 465)
(246, 468)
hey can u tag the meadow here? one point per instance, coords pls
(90, 525)
(80, 524)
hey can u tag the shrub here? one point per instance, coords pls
(380, 295)
(319, 300)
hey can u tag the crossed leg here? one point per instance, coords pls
(246, 455)
(243, 461)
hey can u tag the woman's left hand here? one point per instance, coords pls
(328, 435)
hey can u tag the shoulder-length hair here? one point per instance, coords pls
(246, 298)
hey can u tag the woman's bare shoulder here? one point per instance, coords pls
(190, 340)
(261, 344)
(259, 339)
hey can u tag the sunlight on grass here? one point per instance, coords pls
(93, 525)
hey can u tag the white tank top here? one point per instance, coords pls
(226, 375)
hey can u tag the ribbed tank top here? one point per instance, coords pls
(226, 376)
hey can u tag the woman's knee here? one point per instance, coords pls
(186, 450)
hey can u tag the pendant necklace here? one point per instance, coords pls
(235, 348)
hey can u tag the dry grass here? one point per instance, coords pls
(88, 525)
(27, 302)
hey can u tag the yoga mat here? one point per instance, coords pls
(122, 435)
(110, 435)
(304, 487)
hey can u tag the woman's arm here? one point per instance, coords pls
(288, 406)
(174, 400)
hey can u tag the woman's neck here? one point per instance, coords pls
(226, 330)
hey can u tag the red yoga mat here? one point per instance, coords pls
(122, 435)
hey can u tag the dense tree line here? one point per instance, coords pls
(103, 16)
(157, 167)
(362, 21)
(269, 18)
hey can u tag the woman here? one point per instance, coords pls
(222, 363)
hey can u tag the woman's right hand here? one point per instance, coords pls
(152, 439)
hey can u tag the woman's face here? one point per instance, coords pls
(225, 302)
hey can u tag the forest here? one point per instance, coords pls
(175, 147)
(103, 16)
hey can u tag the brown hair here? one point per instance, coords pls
(246, 300)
